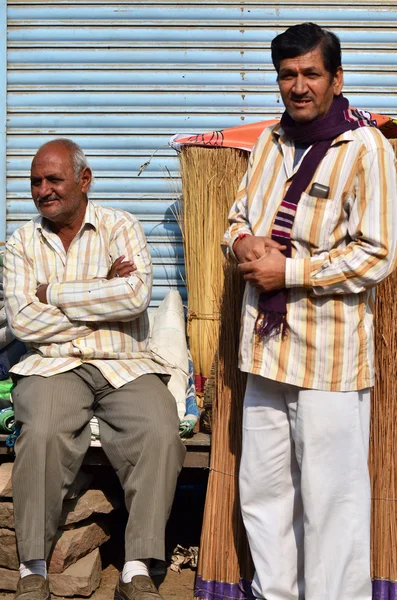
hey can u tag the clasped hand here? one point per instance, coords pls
(261, 262)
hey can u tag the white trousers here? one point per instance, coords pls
(305, 491)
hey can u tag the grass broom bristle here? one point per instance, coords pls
(224, 554)
(210, 178)
(383, 446)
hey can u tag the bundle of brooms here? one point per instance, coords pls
(210, 178)
(383, 448)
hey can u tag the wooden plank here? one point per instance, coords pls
(197, 460)
(197, 452)
(199, 439)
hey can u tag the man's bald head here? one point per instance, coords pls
(77, 156)
(60, 180)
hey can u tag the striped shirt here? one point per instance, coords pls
(342, 247)
(88, 319)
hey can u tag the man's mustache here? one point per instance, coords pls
(47, 198)
(296, 98)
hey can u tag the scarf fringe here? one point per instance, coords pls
(271, 324)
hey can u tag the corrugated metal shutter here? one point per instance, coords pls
(121, 77)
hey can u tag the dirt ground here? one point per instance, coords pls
(184, 528)
(174, 586)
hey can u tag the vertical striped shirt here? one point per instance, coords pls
(88, 318)
(342, 246)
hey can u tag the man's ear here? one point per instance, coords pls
(338, 81)
(85, 179)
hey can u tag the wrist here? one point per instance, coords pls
(238, 240)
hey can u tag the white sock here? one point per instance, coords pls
(33, 567)
(134, 567)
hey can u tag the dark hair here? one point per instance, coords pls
(300, 39)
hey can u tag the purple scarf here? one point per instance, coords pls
(272, 306)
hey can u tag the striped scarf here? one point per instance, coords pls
(272, 306)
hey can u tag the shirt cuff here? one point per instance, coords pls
(298, 272)
(52, 293)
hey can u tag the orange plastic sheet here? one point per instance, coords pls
(245, 136)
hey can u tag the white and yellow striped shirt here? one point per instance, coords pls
(88, 319)
(342, 247)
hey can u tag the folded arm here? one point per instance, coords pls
(30, 320)
(115, 299)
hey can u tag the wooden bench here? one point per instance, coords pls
(197, 452)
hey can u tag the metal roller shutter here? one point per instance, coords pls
(121, 77)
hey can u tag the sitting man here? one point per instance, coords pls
(78, 281)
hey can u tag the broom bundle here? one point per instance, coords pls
(210, 178)
(225, 567)
(383, 448)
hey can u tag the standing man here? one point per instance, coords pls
(78, 281)
(314, 230)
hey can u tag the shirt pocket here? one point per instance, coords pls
(314, 222)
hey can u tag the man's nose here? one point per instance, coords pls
(44, 189)
(300, 85)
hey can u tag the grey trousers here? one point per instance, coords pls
(139, 434)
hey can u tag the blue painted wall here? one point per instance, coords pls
(121, 78)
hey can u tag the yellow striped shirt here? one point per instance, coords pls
(342, 247)
(88, 319)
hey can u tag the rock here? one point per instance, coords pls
(80, 579)
(5, 480)
(7, 515)
(73, 544)
(81, 482)
(81, 508)
(88, 503)
(8, 579)
(8, 549)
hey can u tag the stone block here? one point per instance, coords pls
(5, 480)
(73, 544)
(8, 580)
(8, 549)
(7, 515)
(83, 507)
(81, 482)
(80, 579)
